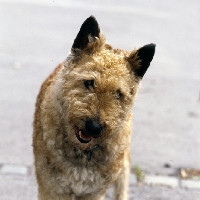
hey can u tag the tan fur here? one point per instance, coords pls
(61, 161)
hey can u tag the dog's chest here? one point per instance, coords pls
(79, 180)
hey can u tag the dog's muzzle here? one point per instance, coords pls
(91, 130)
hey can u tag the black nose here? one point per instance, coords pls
(93, 128)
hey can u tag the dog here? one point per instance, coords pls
(82, 122)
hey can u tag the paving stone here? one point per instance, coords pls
(14, 169)
(193, 184)
(161, 180)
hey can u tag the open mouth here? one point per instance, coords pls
(82, 136)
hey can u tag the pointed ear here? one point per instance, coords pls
(90, 28)
(144, 55)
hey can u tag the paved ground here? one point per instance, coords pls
(36, 35)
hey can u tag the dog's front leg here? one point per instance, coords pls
(91, 197)
(122, 183)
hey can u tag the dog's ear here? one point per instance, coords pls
(144, 55)
(89, 30)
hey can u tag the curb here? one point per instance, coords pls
(161, 180)
(190, 184)
(154, 180)
(171, 181)
(12, 169)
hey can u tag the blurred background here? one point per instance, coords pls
(36, 35)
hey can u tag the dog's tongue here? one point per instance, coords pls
(84, 136)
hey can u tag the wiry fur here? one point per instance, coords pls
(65, 167)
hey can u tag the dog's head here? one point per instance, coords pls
(99, 84)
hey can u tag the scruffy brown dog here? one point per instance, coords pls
(82, 125)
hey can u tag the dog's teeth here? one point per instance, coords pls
(80, 134)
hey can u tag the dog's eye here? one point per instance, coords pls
(89, 84)
(118, 94)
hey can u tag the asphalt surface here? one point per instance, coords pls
(37, 35)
